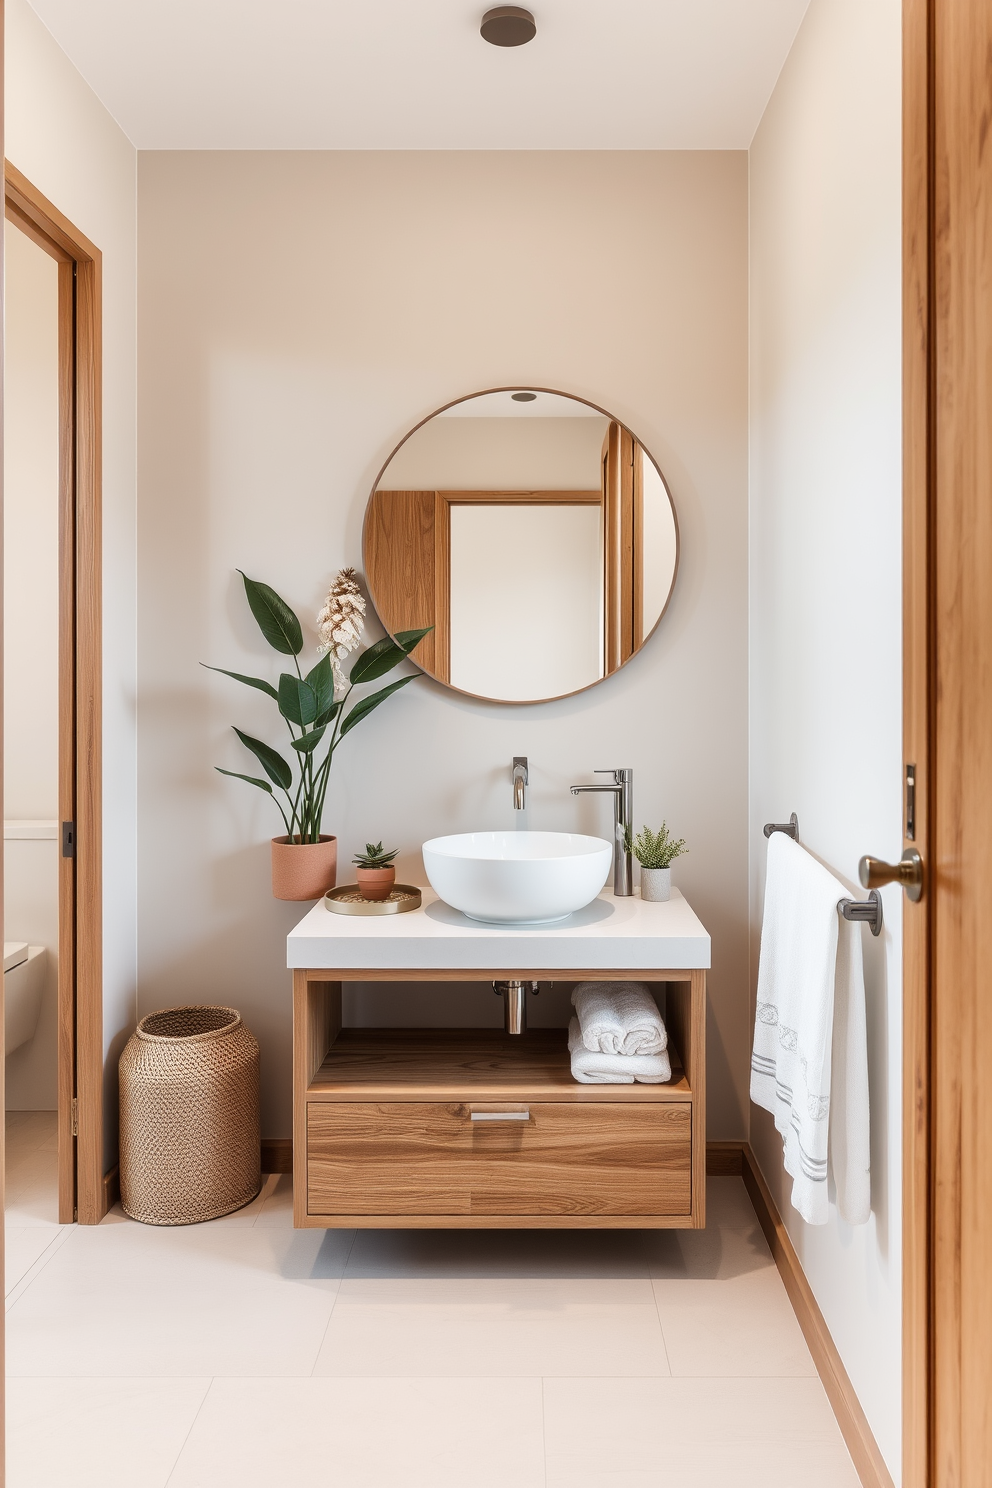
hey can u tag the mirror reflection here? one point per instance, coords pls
(534, 532)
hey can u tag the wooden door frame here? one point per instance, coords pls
(82, 1192)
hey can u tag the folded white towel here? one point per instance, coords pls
(809, 1066)
(614, 1069)
(619, 1018)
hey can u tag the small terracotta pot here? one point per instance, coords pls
(303, 870)
(375, 883)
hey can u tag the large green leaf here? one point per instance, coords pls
(364, 708)
(258, 682)
(271, 761)
(384, 655)
(297, 700)
(309, 741)
(251, 779)
(276, 620)
(326, 717)
(321, 680)
(409, 638)
(377, 660)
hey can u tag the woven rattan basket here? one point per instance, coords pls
(190, 1145)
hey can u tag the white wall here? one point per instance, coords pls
(526, 600)
(298, 313)
(31, 638)
(497, 454)
(65, 142)
(826, 596)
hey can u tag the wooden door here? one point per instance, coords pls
(622, 544)
(407, 544)
(961, 848)
(947, 1249)
(84, 1186)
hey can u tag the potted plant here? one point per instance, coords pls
(655, 851)
(375, 871)
(313, 708)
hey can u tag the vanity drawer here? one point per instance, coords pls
(568, 1158)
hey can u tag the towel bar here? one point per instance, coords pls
(790, 828)
(869, 910)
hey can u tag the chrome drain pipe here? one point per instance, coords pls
(514, 995)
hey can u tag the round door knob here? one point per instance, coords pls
(873, 873)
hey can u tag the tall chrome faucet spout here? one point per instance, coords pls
(520, 778)
(622, 791)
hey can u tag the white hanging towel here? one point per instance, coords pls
(809, 1066)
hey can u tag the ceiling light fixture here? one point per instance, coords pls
(523, 397)
(508, 26)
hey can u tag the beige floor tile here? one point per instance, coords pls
(487, 1326)
(202, 1300)
(383, 1433)
(723, 1307)
(712, 1433)
(727, 1204)
(713, 1254)
(500, 1253)
(31, 1187)
(31, 1129)
(720, 1466)
(276, 1208)
(97, 1433)
(22, 1248)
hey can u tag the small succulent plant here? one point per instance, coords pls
(657, 849)
(374, 856)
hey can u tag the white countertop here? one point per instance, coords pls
(608, 933)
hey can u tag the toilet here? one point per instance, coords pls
(23, 984)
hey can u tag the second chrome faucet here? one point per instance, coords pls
(622, 790)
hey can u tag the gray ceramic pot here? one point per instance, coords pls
(656, 884)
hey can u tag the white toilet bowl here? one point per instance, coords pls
(23, 984)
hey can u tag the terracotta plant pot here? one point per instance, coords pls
(375, 883)
(656, 884)
(303, 870)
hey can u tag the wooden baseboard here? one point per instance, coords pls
(111, 1187)
(724, 1159)
(868, 1460)
(277, 1154)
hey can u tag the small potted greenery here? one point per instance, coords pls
(375, 871)
(304, 860)
(655, 851)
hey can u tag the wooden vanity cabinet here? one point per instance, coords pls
(460, 1128)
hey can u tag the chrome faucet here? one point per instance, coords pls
(520, 778)
(622, 791)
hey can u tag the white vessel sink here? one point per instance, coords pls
(517, 878)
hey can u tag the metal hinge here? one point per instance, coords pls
(75, 1116)
(68, 839)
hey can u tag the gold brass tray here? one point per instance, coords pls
(347, 899)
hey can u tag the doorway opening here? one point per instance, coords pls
(52, 756)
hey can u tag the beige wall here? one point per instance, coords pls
(64, 140)
(297, 314)
(31, 638)
(826, 595)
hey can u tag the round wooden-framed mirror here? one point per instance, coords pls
(533, 531)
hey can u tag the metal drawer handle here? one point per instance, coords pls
(500, 1115)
